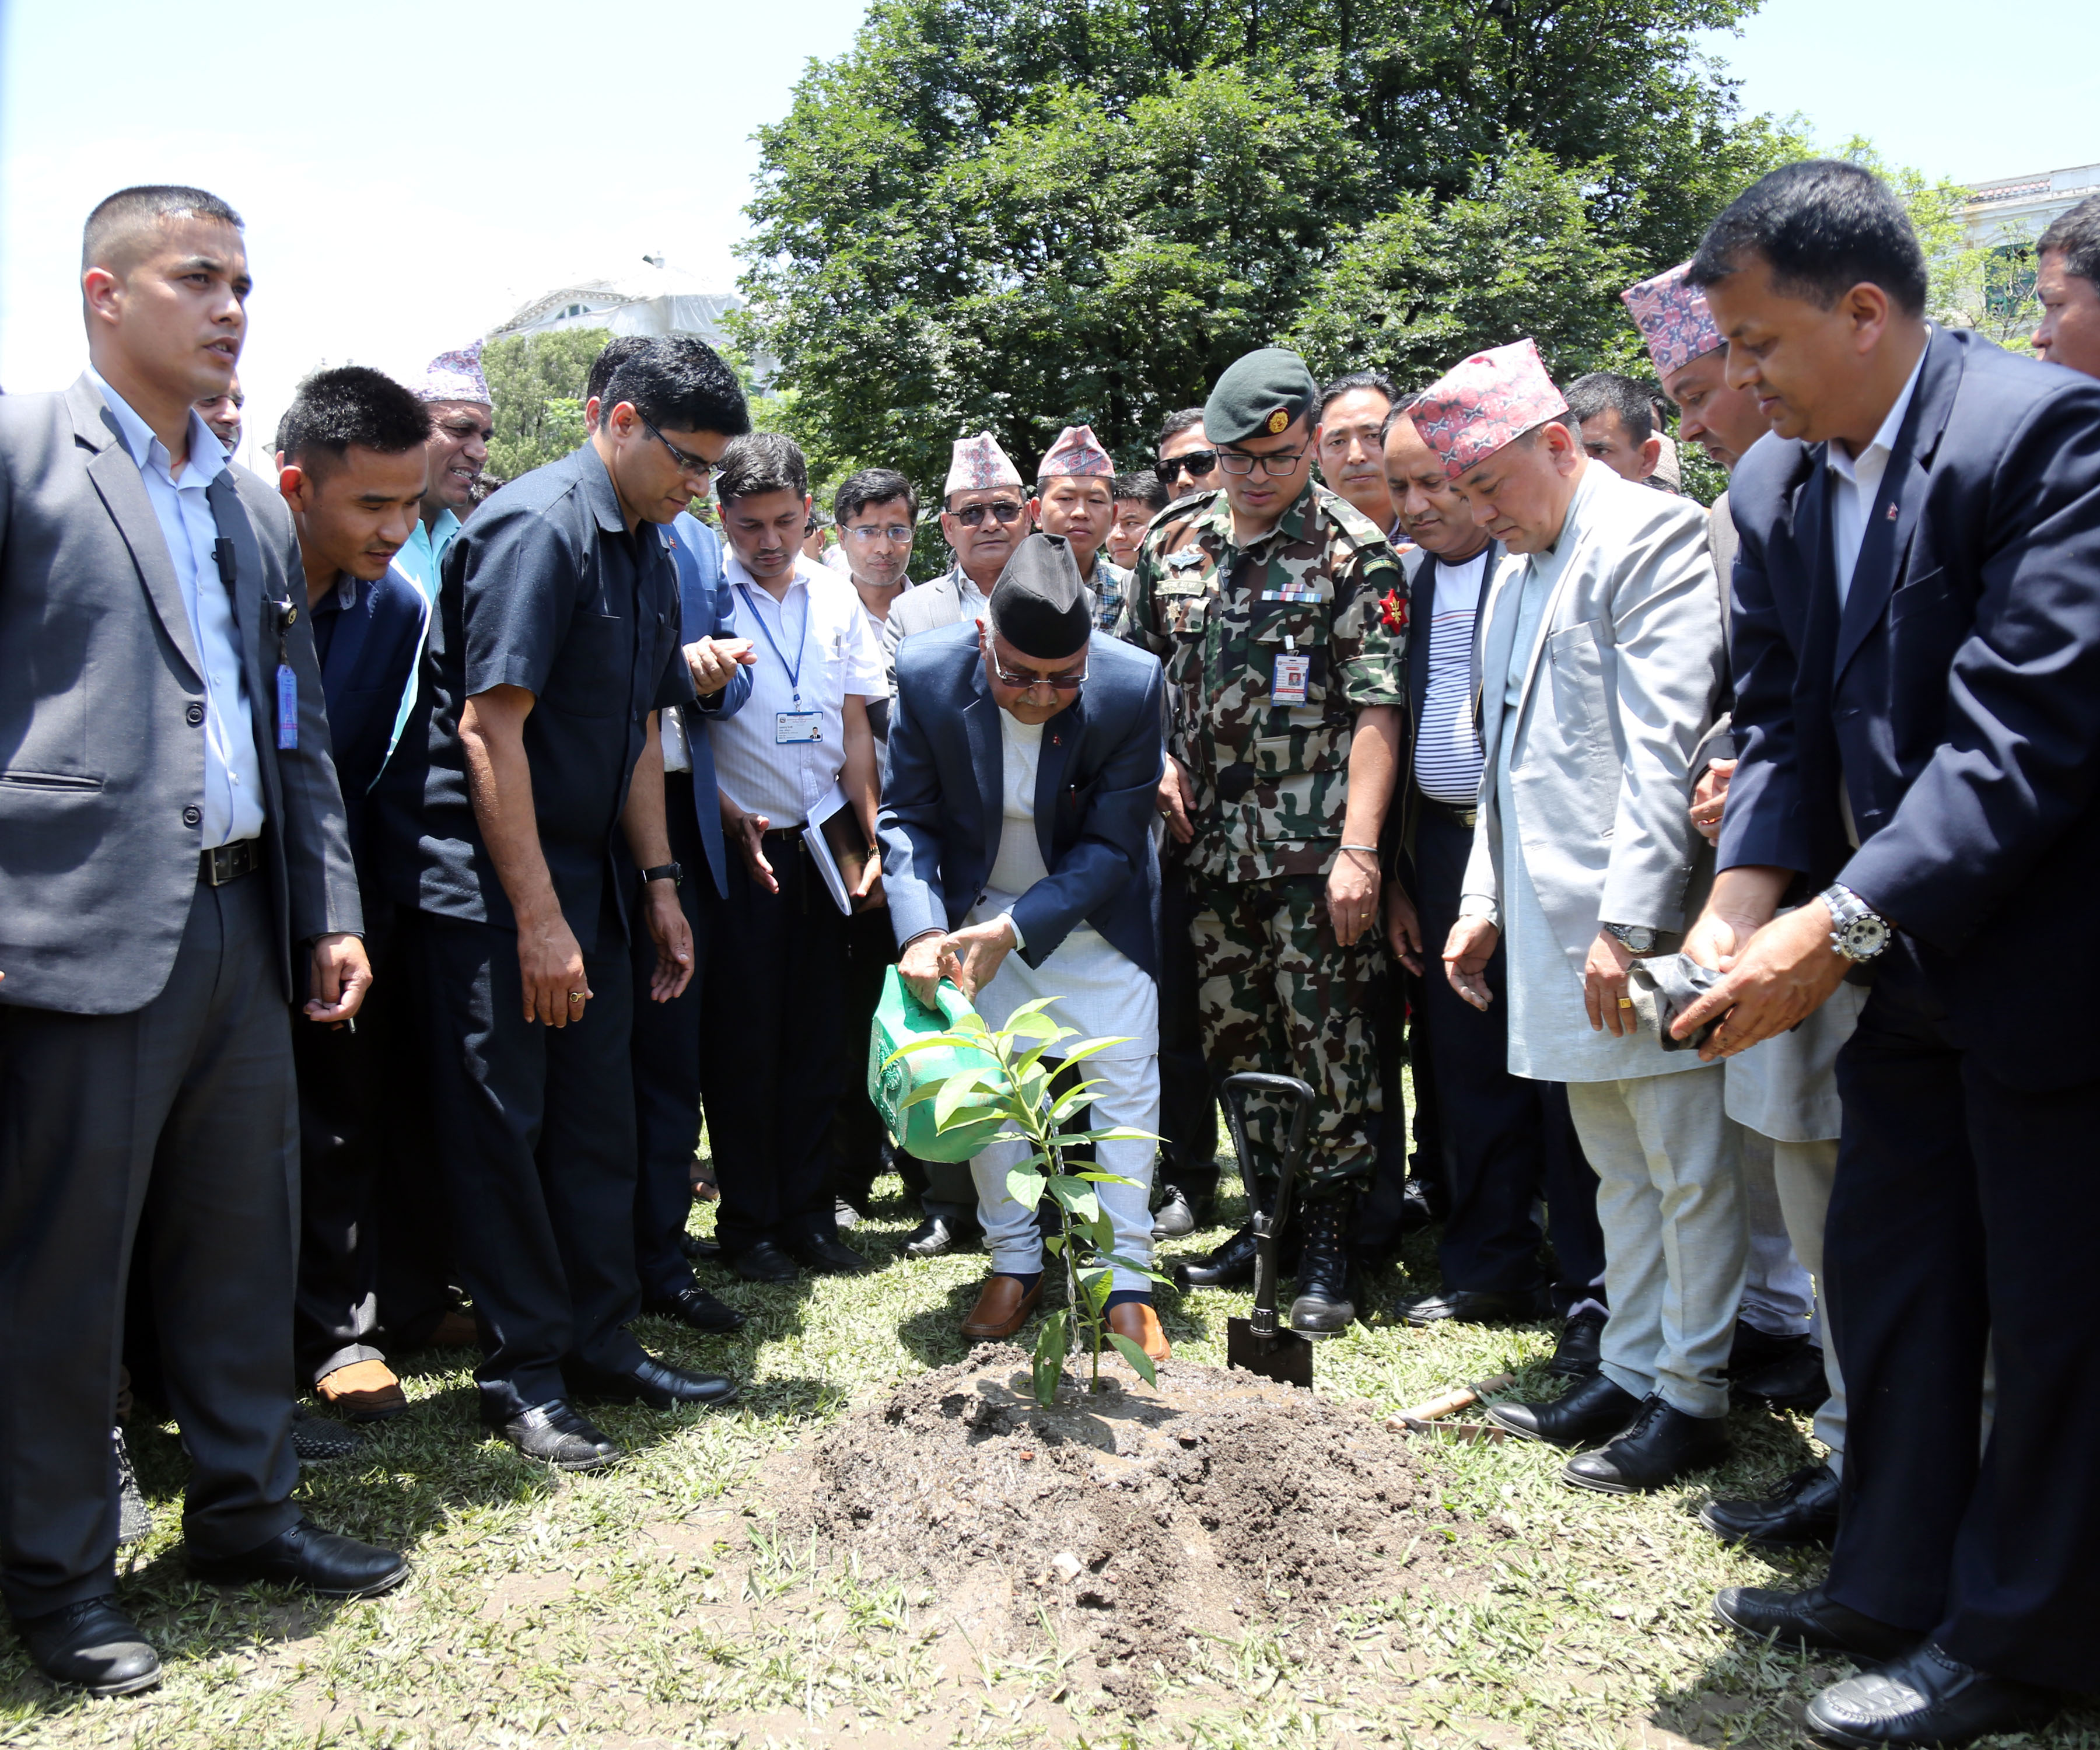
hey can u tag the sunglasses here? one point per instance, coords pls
(972, 516)
(1196, 462)
(1061, 683)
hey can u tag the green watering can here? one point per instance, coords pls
(900, 1018)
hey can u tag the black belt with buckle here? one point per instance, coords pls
(1464, 817)
(784, 834)
(229, 862)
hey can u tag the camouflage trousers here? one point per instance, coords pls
(1279, 994)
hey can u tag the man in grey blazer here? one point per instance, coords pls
(174, 875)
(1601, 669)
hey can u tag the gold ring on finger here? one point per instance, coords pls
(575, 996)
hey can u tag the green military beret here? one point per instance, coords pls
(1259, 396)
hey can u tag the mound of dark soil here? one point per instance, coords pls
(1136, 1517)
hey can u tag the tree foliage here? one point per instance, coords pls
(1013, 214)
(538, 382)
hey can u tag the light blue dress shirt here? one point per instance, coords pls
(424, 555)
(232, 771)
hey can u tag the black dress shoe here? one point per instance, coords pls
(1175, 1218)
(832, 1256)
(696, 1306)
(1469, 1306)
(305, 1556)
(1229, 1266)
(556, 1434)
(698, 1249)
(1927, 1697)
(763, 1262)
(1751, 1351)
(1795, 1381)
(92, 1646)
(1802, 1515)
(655, 1383)
(1664, 1445)
(1580, 1352)
(1592, 1412)
(1809, 1620)
(937, 1235)
(319, 1441)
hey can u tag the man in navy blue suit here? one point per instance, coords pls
(352, 468)
(1025, 753)
(1916, 648)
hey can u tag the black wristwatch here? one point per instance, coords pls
(1860, 932)
(1635, 938)
(674, 873)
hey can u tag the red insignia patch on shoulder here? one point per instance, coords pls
(1392, 609)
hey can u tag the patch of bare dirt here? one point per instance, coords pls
(1132, 1519)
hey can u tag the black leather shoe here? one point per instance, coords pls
(1229, 1266)
(937, 1235)
(1809, 1620)
(1751, 1351)
(1928, 1697)
(698, 1249)
(1325, 1303)
(1593, 1412)
(305, 1556)
(1796, 1381)
(319, 1441)
(91, 1645)
(763, 1262)
(696, 1306)
(655, 1383)
(556, 1434)
(1175, 1218)
(1469, 1306)
(1580, 1352)
(833, 1257)
(1664, 1445)
(1801, 1514)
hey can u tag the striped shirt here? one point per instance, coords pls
(1448, 757)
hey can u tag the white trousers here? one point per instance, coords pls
(1669, 1200)
(1778, 1298)
(1801, 1176)
(1126, 1093)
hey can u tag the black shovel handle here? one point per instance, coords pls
(1268, 1224)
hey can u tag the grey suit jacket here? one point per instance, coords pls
(1618, 691)
(925, 607)
(100, 761)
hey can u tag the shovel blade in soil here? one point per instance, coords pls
(1286, 1358)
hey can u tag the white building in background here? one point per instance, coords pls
(656, 298)
(2017, 209)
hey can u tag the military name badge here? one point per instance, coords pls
(1288, 684)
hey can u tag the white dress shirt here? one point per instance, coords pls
(1855, 482)
(232, 803)
(815, 644)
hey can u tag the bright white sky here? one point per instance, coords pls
(410, 173)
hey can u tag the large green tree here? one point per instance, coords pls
(538, 382)
(1015, 212)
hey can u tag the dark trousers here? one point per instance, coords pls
(336, 1317)
(536, 1131)
(1962, 1221)
(770, 1070)
(1187, 1098)
(1506, 1141)
(1376, 1228)
(182, 1119)
(856, 1135)
(410, 1220)
(667, 1064)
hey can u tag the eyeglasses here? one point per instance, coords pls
(1239, 462)
(868, 533)
(972, 516)
(688, 463)
(1060, 683)
(1196, 462)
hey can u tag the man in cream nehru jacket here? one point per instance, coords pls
(1601, 664)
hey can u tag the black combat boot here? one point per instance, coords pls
(1323, 1308)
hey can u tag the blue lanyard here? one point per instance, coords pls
(801, 643)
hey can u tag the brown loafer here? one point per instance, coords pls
(1002, 1309)
(455, 1330)
(363, 1391)
(1135, 1320)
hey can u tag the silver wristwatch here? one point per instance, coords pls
(1635, 938)
(1859, 931)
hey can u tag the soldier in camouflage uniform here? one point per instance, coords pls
(1276, 608)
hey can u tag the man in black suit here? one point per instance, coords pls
(174, 876)
(1917, 648)
(1505, 1141)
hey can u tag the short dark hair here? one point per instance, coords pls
(2076, 236)
(610, 356)
(1824, 227)
(680, 381)
(1141, 487)
(351, 403)
(1174, 424)
(1354, 380)
(116, 223)
(1590, 396)
(873, 486)
(758, 462)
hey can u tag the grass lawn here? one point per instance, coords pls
(650, 1605)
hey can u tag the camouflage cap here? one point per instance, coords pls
(1259, 396)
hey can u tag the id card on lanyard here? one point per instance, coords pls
(798, 726)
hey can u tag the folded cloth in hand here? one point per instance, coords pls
(1662, 987)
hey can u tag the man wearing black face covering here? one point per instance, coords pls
(1025, 756)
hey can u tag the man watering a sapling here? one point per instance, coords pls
(1016, 828)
